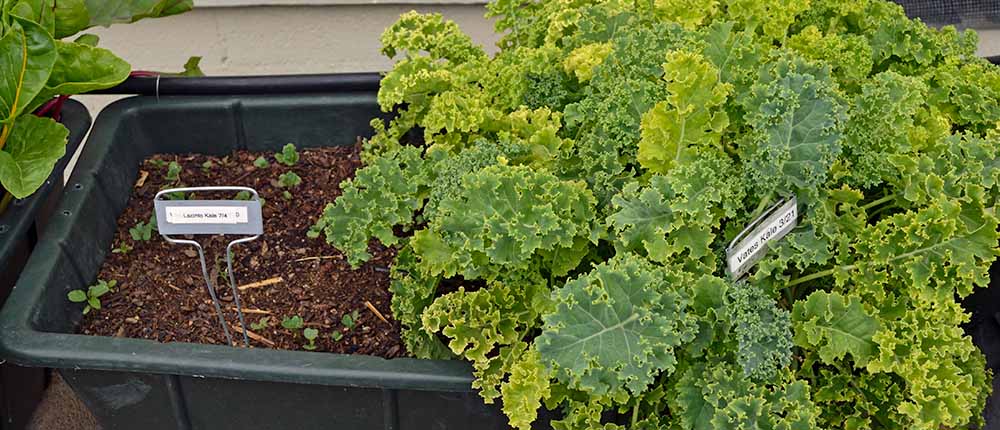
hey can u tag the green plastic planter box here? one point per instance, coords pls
(20, 226)
(141, 384)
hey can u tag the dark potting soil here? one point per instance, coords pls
(161, 292)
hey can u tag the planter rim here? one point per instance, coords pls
(24, 343)
(248, 84)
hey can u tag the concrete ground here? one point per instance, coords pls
(60, 409)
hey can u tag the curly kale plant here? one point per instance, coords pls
(39, 67)
(562, 211)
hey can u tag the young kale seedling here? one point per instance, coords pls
(295, 323)
(143, 231)
(92, 296)
(261, 323)
(157, 163)
(173, 172)
(289, 180)
(310, 334)
(123, 248)
(288, 155)
(206, 166)
(350, 320)
(336, 336)
(245, 195)
(292, 323)
(179, 195)
(261, 163)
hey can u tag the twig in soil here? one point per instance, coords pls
(324, 257)
(375, 311)
(175, 288)
(263, 283)
(252, 311)
(254, 336)
(142, 178)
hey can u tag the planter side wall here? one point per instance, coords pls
(127, 400)
(20, 226)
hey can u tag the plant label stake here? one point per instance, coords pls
(752, 243)
(194, 217)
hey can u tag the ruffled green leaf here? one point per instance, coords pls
(836, 326)
(503, 218)
(763, 332)
(689, 121)
(797, 122)
(616, 327)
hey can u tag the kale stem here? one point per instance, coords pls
(635, 414)
(808, 278)
(789, 296)
(764, 204)
(879, 201)
(7, 198)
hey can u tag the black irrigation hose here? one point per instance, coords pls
(237, 85)
(278, 84)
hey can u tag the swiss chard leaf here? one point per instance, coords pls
(27, 55)
(33, 148)
(81, 68)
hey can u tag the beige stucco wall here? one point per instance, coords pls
(274, 39)
(989, 42)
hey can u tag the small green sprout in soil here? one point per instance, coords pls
(293, 323)
(350, 320)
(286, 195)
(206, 166)
(310, 334)
(143, 231)
(92, 297)
(245, 195)
(173, 172)
(288, 155)
(336, 336)
(179, 196)
(261, 163)
(261, 324)
(123, 248)
(316, 229)
(289, 180)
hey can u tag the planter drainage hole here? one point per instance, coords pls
(66, 213)
(77, 186)
(3, 228)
